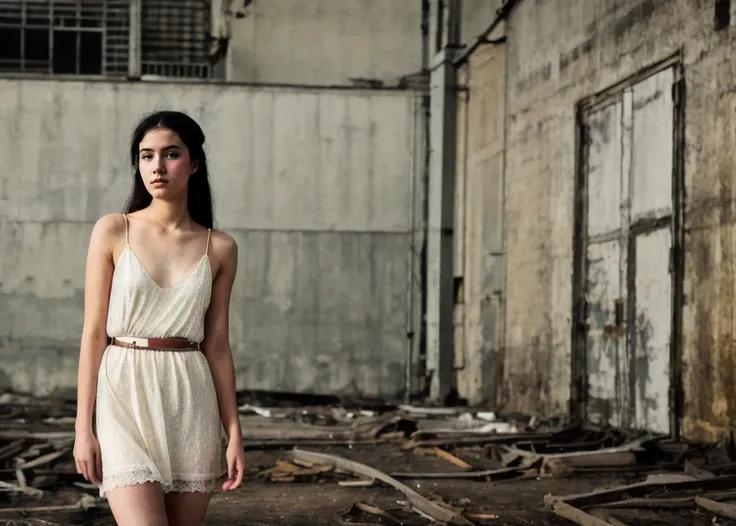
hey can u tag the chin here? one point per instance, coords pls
(158, 193)
(164, 194)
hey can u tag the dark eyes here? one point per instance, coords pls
(169, 155)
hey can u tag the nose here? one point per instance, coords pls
(160, 167)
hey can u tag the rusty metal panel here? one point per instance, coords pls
(652, 160)
(605, 267)
(629, 161)
(605, 346)
(650, 330)
(604, 170)
(651, 212)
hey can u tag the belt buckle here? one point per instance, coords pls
(136, 345)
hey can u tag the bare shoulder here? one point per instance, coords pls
(109, 229)
(223, 247)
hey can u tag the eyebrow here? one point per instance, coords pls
(172, 147)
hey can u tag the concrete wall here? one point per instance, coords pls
(317, 186)
(559, 52)
(325, 42)
(479, 224)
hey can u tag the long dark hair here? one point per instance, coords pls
(199, 193)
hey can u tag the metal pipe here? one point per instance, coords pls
(441, 216)
(501, 14)
(134, 40)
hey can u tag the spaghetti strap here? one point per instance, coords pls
(125, 216)
(207, 249)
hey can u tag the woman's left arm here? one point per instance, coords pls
(216, 349)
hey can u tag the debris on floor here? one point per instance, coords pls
(369, 463)
(682, 491)
(37, 472)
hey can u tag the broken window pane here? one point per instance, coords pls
(90, 57)
(65, 52)
(36, 44)
(9, 44)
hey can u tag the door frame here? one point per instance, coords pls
(586, 106)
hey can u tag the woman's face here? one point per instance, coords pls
(165, 164)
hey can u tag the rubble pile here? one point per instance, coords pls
(37, 472)
(399, 449)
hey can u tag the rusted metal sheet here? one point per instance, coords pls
(650, 330)
(605, 268)
(605, 170)
(652, 160)
(628, 285)
(651, 213)
(606, 342)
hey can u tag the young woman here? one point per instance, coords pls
(158, 284)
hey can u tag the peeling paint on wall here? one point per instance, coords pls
(479, 245)
(600, 46)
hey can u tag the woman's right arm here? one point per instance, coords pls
(98, 279)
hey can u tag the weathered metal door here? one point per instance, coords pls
(628, 163)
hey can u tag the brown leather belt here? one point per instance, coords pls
(156, 344)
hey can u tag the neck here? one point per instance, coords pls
(170, 214)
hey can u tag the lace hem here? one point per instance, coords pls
(141, 476)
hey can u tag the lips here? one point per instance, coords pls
(159, 182)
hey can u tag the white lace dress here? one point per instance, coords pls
(157, 412)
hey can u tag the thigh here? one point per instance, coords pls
(138, 505)
(187, 508)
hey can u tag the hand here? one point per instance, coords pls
(87, 457)
(235, 464)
